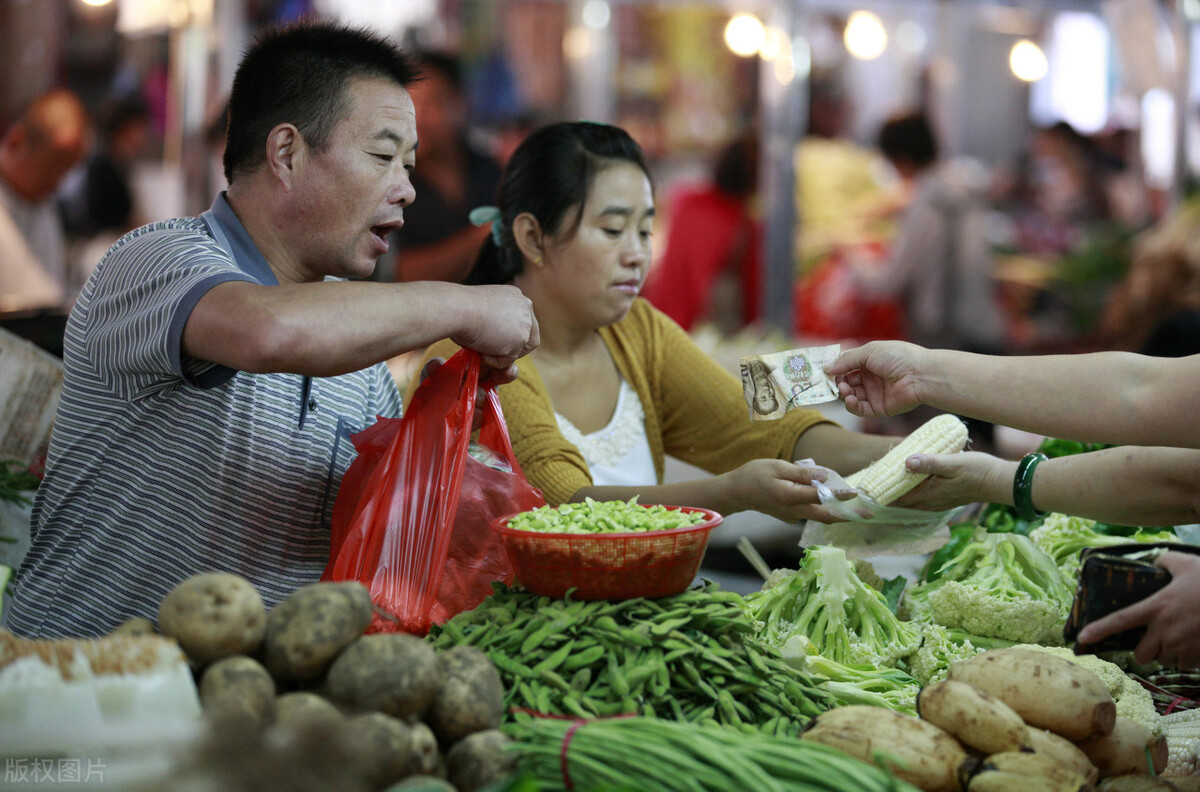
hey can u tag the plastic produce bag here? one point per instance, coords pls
(411, 518)
(870, 529)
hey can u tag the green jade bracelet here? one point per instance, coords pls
(1023, 487)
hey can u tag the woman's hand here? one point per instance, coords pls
(879, 378)
(958, 479)
(1170, 616)
(781, 489)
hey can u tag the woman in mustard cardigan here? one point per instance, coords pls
(615, 384)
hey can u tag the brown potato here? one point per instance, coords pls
(309, 628)
(394, 673)
(214, 615)
(301, 706)
(470, 698)
(383, 746)
(238, 687)
(476, 761)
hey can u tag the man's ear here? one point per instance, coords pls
(530, 238)
(285, 149)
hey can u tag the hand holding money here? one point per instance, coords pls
(777, 382)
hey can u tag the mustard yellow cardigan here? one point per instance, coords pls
(694, 408)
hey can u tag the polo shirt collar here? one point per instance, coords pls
(234, 237)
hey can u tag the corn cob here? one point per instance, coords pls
(886, 479)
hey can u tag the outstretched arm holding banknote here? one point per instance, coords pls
(1107, 397)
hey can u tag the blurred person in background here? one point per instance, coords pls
(98, 201)
(37, 150)
(940, 263)
(616, 385)
(710, 270)
(438, 241)
(101, 198)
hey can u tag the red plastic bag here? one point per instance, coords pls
(411, 517)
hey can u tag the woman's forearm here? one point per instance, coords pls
(840, 449)
(1108, 397)
(1130, 485)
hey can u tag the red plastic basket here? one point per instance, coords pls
(608, 565)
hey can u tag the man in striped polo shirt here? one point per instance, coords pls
(215, 366)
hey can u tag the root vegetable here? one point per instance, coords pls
(214, 615)
(927, 756)
(1063, 751)
(238, 687)
(480, 759)
(1048, 692)
(425, 749)
(1135, 783)
(306, 631)
(422, 783)
(1004, 781)
(301, 706)
(136, 626)
(393, 673)
(383, 746)
(1129, 749)
(1039, 768)
(470, 697)
(972, 717)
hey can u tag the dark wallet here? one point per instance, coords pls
(1112, 578)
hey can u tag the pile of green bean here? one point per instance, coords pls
(643, 753)
(690, 657)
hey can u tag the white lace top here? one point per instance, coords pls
(619, 454)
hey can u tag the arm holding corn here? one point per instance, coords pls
(1128, 485)
(1105, 397)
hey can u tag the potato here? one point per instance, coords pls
(137, 626)
(1062, 751)
(929, 757)
(479, 759)
(470, 698)
(383, 746)
(1135, 783)
(394, 673)
(425, 749)
(309, 628)
(238, 687)
(974, 718)
(1047, 691)
(214, 615)
(301, 706)
(422, 783)
(1128, 750)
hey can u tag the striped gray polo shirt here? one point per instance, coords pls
(163, 466)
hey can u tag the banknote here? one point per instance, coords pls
(776, 382)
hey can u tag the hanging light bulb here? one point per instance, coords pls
(865, 36)
(1027, 61)
(744, 35)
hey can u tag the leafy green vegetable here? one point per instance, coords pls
(592, 516)
(854, 683)
(1064, 537)
(998, 585)
(824, 600)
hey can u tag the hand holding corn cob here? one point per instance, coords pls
(889, 478)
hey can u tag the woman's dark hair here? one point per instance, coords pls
(909, 138)
(299, 74)
(550, 175)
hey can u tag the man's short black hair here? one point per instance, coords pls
(909, 138)
(299, 74)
